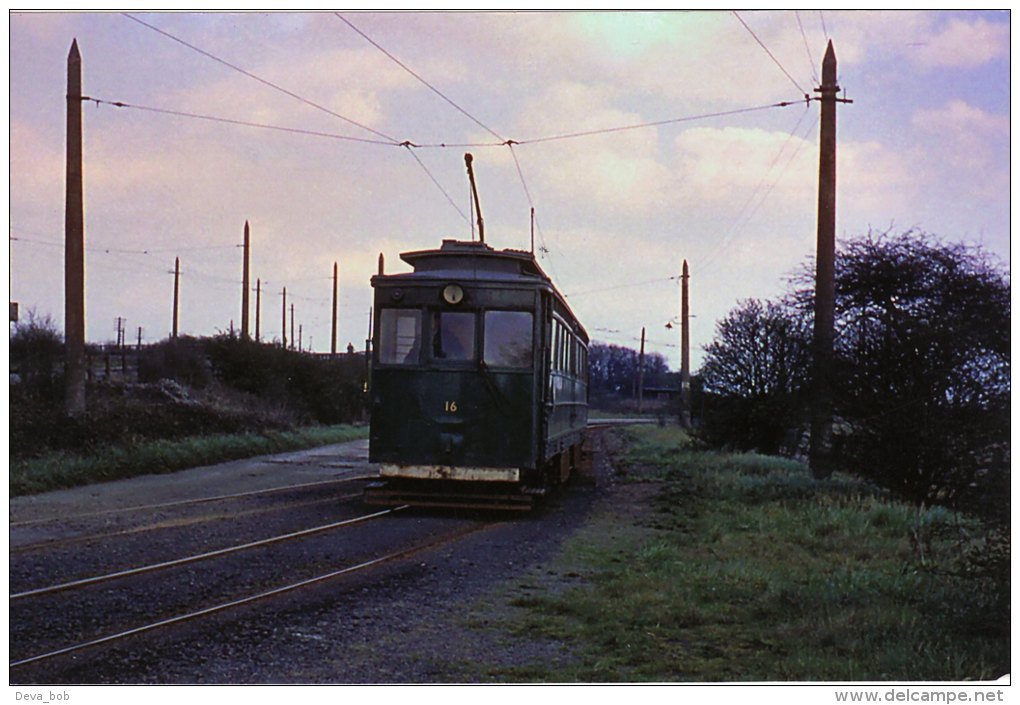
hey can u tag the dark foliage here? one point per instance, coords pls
(754, 375)
(183, 360)
(922, 345)
(187, 387)
(318, 388)
(613, 374)
(37, 358)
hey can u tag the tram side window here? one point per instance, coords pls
(508, 339)
(453, 336)
(399, 336)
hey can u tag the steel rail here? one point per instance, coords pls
(197, 500)
(246, 600)
(95, 580)
(69, 540)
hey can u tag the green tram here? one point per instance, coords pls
(479, 385)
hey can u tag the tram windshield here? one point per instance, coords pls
(453, 336)
(508, 336)
(399, 336)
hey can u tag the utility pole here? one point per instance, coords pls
(368, 354)
(641, 373)
(332, 339)
(74, 245)
(300, 335)
(177, 295)
(685, 350)
(258, 309)
(120, 332)
(139, 347)
(820, 454)
(245, 283)
(292, 326)
(284, 326)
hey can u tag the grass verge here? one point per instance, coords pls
(714, 567)
(59, 470)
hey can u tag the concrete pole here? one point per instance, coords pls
(685, 350)
(245, 282)
(74, 245)
(820, 454)
(332, 338)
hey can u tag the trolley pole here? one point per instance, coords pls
(685, 350)
(820, 454)
(74, 245)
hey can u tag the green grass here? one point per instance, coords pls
(58, 470)
(739, 567)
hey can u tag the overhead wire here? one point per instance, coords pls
(261, 80)
(232, 121)
(543, 248)
(432, 88)
(807, 47)
(438, 185)
(738, 223)
(771, 55)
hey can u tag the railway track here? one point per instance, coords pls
(178, 523)
(185, 502)
(69, 593)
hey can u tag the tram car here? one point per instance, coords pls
(479, 383)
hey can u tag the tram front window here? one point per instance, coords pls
(399, 336)
(508, 336)
(453, 336)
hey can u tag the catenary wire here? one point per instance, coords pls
(261, 80)
(807, 47)
(432, 88)
(232, 121)
(771, 55)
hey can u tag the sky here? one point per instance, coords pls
(682, 154)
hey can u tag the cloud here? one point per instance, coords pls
(972, 152)
(617, 173)
(968, 135)
(726, 166)
(963, 44)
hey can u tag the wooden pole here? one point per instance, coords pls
(685, 350)
(641, 373)
(258, 310)
(332, 338)
(74, 245)
(177, 296)
(245, 282)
